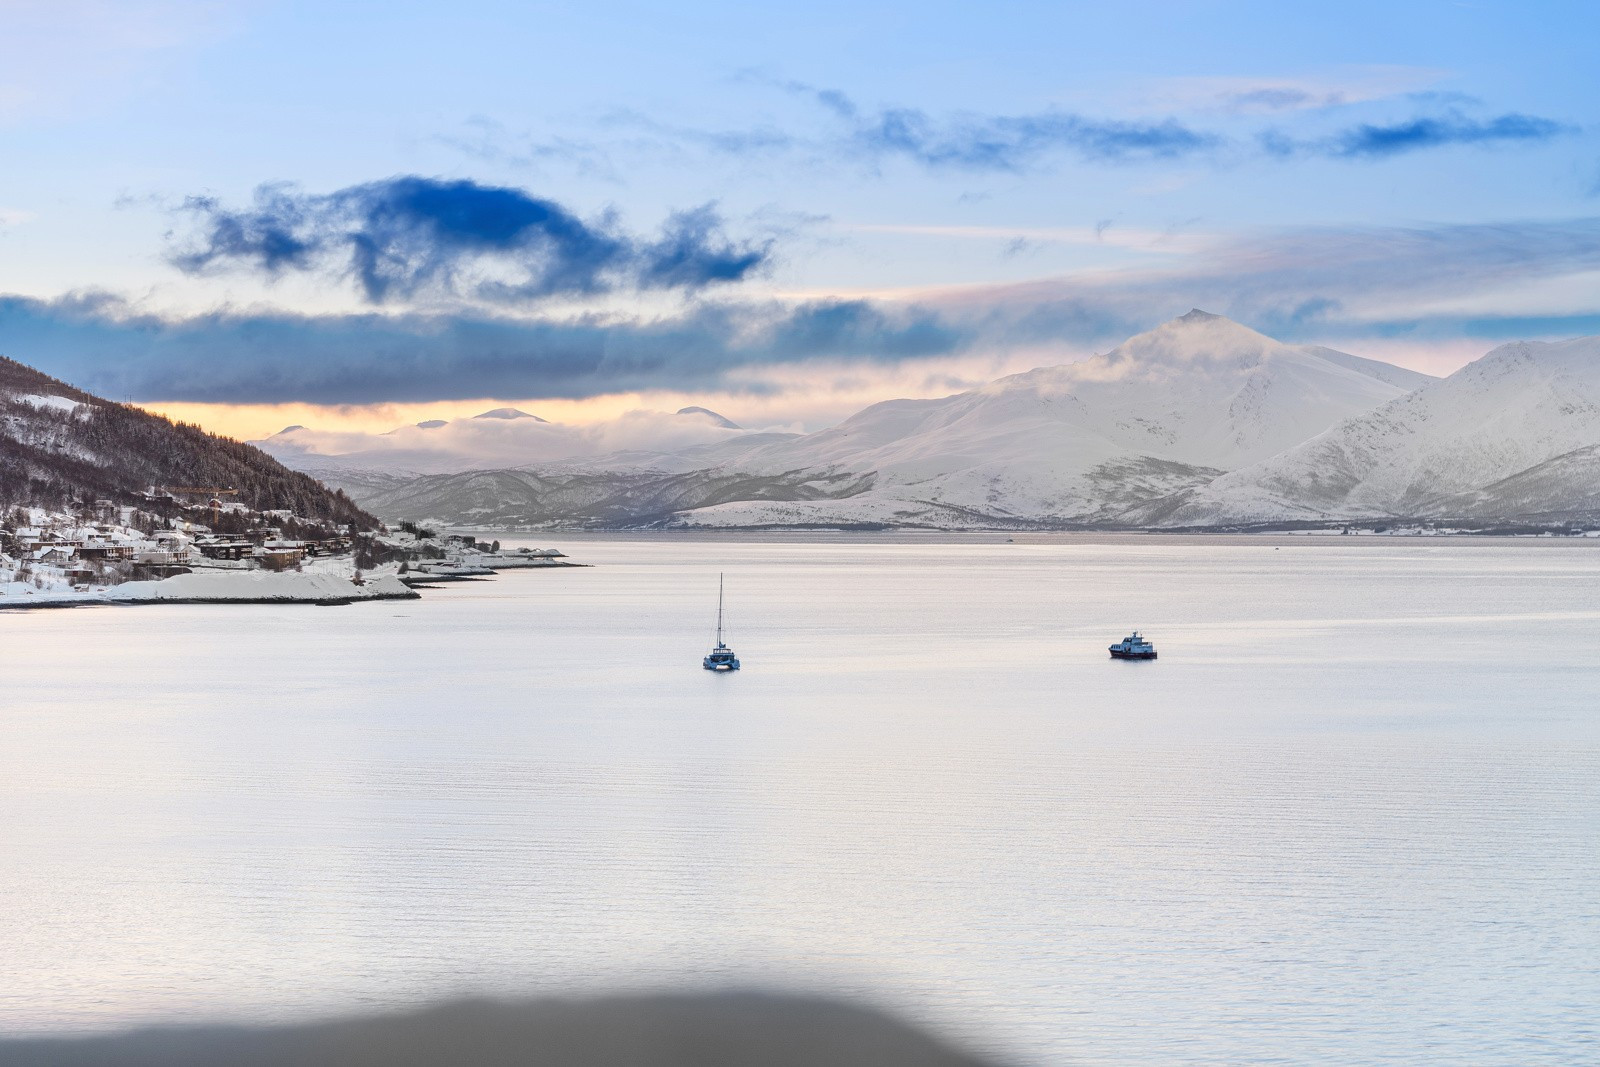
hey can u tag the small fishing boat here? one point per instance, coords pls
(720, 658)
(1133, 647)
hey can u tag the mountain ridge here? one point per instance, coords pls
(1425, 454)
(56, 455)
(1122, 434)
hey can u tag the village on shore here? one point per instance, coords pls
(208, 550)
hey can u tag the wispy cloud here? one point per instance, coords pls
(996, 142)
(407, 235)
(1369, 141)
(1012, 142)
(1280, 94)
(1104, 233)
(977, 142)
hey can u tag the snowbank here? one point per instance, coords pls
(260, 587)
(253, 587)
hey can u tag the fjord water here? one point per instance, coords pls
(1351, 815)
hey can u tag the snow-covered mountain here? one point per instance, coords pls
(1510, 436)
(1166, 412)
(498, 438)
(710, 416)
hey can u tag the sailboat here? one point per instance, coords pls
(720, 658)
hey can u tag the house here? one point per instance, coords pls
(223, 547)
(108, 546)
(167, 548)
(331, 546)
(278, 554)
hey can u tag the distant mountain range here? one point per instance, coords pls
(500, 437)
(1201, 422)
(61, 447)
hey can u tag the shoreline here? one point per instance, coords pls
(225, 587)
(95, 601)
(903, 536)
(259, 587)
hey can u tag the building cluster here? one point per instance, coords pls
(55, 551)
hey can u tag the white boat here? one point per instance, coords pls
(1133, 647)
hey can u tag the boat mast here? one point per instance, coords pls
(719, 610)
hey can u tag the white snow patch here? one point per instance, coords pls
(50, 403)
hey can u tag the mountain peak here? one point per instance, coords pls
(711, 416)
(507, 413)
(1196, 315)
(288, 429)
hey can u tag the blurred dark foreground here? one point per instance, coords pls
(726, 1030)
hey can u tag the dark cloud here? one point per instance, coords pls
(408, 235)
(1381, 141)
(99, 344)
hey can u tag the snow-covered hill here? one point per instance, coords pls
(1166, 412)
(1508, 436)
(61, 447)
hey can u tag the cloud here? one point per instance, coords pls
(835, 127)
(1490, 281)
(1276, 98)
(1236, 95)
(466, 444)
(1381, 141)
(1308, 283)
(974, 142)
(103, 345)
(409, 235)
(1008, 143)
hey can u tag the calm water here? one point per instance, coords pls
(1352, 815)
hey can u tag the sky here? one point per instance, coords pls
(355, 216)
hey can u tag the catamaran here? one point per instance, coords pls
(720, 658)
(1133, 647)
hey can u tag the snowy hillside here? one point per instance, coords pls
(62, 448)
(1504, 436)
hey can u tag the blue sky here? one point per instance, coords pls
(785, 211)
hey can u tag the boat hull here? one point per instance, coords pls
(720, 665)
(1115, 654)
